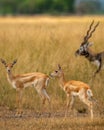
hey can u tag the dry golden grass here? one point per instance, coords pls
(52, 124)
(39, 44)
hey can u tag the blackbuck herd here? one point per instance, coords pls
(72, 88)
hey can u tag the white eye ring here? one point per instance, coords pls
(81, 49)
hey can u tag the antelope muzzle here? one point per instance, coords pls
(77, 53)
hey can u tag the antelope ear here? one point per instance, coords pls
(59, 67)
(90, 44)
(14, 62)
(3, 61)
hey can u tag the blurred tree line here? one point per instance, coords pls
(16, 7)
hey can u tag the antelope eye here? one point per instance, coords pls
(56, 71)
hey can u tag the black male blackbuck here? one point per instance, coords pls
(19, 82)
(74, 88)
(84, 50)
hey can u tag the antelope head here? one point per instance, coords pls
(57, 73)
(84, 47)
(8, 66)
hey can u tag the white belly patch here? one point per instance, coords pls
(74, 93)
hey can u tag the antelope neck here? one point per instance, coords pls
(62, 81)
(10, 76)
(90, 56)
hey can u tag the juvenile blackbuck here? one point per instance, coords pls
(19, 82)
(84, 50)
(74, 88)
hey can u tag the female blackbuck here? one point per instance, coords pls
(84, 50)
(74, 88)
(19, 82)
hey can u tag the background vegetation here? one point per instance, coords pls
(39, 44)
(53, 7)
(36, 6)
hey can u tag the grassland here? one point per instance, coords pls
(39, 44)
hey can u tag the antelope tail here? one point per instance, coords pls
(89, 94)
